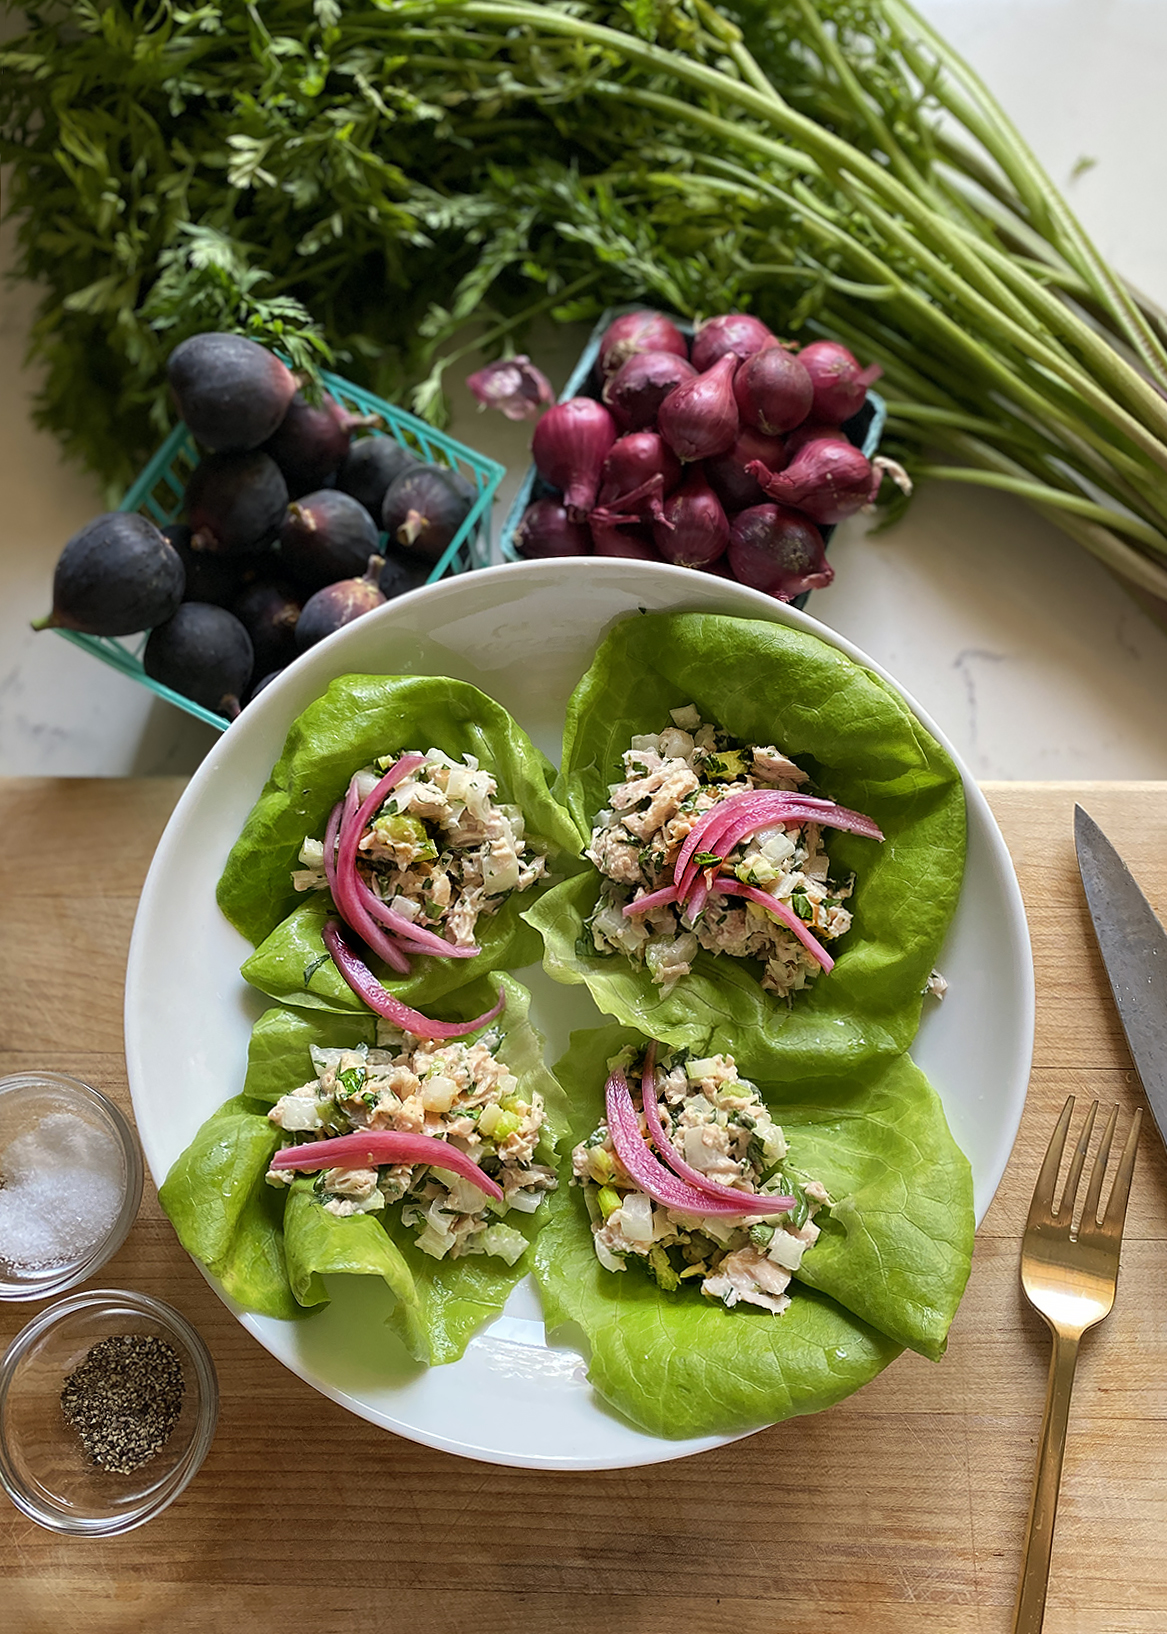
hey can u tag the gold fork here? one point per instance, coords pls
(1069, 1276)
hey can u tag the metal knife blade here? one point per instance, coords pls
(1133, 945)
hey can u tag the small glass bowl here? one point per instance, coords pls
(43, 1466)
(25, 1099)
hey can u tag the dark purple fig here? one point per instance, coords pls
(208, 578)
(235, 502)
(229, 390)
(401, 573)
(371, 464)
(424, 508)
(269, 610)
(326, 536)
(264, 680)
(310, 442)
(115, 576)
(339, 604)
(204, 653)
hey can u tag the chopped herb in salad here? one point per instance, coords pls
(709, 843)
(716, 1136)
(416, 852)
(475, 1158)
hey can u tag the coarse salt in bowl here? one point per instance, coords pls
(70, 1183)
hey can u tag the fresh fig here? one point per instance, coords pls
(424, 508)
(339, 604)
(370, 465)
(229, 390)
(269, 610)
(235, 502)
(208, 578)
(401, 572)
(326, 536)
(115, 576)
(310, 442)
(204, 653)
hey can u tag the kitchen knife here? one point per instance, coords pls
(1133, 945)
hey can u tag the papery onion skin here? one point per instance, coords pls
(727, 473)
(700, 419)
(569, 448)
(547, 530)
(779, 551)
(773, 391)
(633, 332)
(694, 529)
(737, 332)
(840, 384)
(828, 479)
(638, 388)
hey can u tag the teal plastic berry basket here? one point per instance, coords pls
(158, 494)
(864, 430)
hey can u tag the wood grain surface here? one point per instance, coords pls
(899, 1512)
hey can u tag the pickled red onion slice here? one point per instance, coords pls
(733, 887)
(656, 1128)
(379, 1146)
(661, 1184)
(366, 986)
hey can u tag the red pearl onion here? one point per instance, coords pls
(568, 448)
(840, 385)
(694, 530)
(638, 388)
(778, 550)
(773, 391)
(634, 332)
(727, 473)
(735, 332)
(828, 480)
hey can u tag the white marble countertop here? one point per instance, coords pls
(1032, 659)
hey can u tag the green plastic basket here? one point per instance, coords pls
(158, 494)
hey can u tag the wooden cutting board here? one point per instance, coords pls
(899, 1512)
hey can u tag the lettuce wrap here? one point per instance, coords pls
(360, 718)
(887, 1271)
(272, 1248)
(862, 747)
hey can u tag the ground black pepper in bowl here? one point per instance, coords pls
(124, 1400)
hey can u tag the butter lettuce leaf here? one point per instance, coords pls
(225, 1213)
(887, 1271)
(358, 719)
(862, 747)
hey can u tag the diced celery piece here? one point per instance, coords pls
(608, 1200)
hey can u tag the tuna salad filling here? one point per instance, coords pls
(718, 1126)
(766, 893)
(435, 853)
(458, 1093)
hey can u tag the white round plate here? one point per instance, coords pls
(524, 634)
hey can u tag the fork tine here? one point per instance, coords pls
(1074, 1177)
(1043, 1192)
(1120, 1191)
(1098, 1173)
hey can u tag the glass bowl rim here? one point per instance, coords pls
(187, 1467)
(102, 1251)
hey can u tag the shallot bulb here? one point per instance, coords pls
(637, 389)
(777, 550)
(735, 332)
(773, 391)
(828, 480)
(638, 473)
(634, 332)
(699, 419)
(810, 431)
(693, 530)
(547, 530)
(840, 385)
(727, 473)
(633, 543)
(569, 447)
